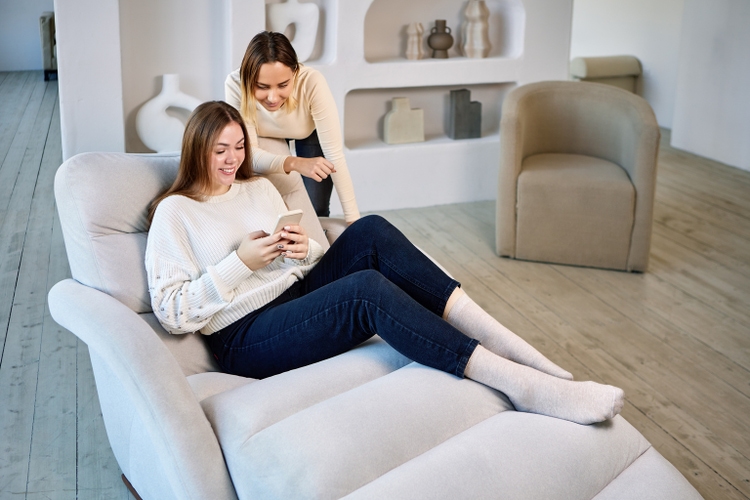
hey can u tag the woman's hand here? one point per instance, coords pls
(294, 242)
(315, 168)
(258, 249)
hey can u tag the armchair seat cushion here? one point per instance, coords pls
(574, 209)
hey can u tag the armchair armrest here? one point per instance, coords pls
(155, 385)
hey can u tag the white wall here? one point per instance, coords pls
(20, 46)
(193, 38)
(647, 29)
(90, 76)
(712, 103)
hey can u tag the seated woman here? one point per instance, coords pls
(275, 302)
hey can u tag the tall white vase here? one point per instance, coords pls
(475, 36)
(304, 16)
(156, 128)
(414, 49)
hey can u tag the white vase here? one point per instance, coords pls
(156, 128)
(304, 16)
(475, 36)
(414, 49)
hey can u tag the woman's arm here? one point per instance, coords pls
(326, 117)
(183, 299)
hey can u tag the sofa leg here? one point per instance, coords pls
(130, 488)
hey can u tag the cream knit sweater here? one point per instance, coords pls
(196, 280)
(316, 110)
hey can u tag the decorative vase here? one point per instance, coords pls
(157, 129)
(414, 49)
(304, 16)
(464, 116)
(403, 124)
(440, 39)
(476, 39)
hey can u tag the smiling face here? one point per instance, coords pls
(226, 156)
(274, 86)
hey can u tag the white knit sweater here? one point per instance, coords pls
(196, 280)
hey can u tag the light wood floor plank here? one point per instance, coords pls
(52, 462)
(707, 281)
(711, 214)
(724, 247)
(20, 358)
(725, 179)
(15, 195)
(14, 97)
(705, 191)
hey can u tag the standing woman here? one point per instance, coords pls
(278, 97)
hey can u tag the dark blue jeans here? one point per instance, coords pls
(319, 192)
(371, 281)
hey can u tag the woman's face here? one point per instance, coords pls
(226, 157)
(274, 85)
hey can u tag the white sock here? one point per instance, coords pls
(533, 391)
(472, 320)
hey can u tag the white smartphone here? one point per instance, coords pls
(292, 217)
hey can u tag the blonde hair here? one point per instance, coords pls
(202, 131)
(265, 47)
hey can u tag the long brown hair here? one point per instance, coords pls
(265, 47)
(202, 131)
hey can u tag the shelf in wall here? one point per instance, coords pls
(432, 72)
(365, 109)
(432, 141)
(386, 20)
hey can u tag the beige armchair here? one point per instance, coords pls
(577, 175)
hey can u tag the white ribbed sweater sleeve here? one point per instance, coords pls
(196, 280)
(316, 110)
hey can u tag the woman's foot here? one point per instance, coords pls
(533, 391)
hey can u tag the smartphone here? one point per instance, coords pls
(292, 217)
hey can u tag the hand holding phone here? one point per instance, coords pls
(293, 217)
(294, 243)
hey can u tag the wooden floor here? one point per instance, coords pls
(676, 338)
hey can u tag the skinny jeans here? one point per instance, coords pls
(319, 192)
(372, 281)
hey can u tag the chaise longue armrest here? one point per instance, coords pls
(155, 385)
(333, 227)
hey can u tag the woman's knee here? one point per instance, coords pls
(371, 223)
(368, 283)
